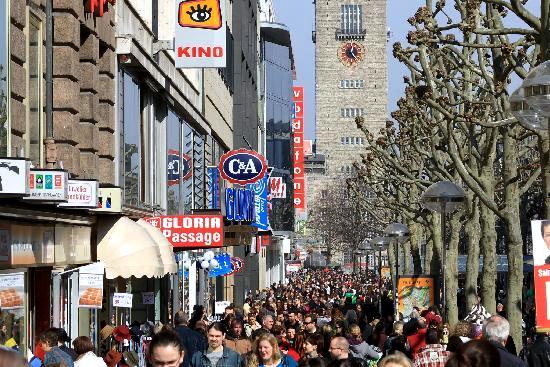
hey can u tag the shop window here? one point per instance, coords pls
(187, 148)
(4, 77)
(175, 164)
(131, 147)
(34, 103)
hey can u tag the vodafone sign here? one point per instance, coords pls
(190, 231)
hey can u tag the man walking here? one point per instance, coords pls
(433, 354)
(538, 354)
(496, 329)
(191, 340)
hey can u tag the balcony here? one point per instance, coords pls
(351, 36)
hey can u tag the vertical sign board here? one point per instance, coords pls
(260, 189)
(200, 34)
(298, 148)
(540, 231)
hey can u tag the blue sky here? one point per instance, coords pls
(299, 15)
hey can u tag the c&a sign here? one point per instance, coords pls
(242, 166)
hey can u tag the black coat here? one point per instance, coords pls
(507, 359)
(538, 354)
(192, 342)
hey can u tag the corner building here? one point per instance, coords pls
(351, 81)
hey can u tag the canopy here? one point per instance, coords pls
(166, 248)
(128, 250)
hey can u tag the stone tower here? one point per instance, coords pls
(351, 80)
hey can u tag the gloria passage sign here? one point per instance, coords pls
(190, 231)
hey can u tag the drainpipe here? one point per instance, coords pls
(49, 142)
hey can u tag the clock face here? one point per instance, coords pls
(351, 53)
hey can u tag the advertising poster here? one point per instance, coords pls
(200, 40)
(540, 231)
(12, 291)
(415, 291)
(386, 272)
(90, 290)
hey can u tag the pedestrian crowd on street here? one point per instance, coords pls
(319, 318)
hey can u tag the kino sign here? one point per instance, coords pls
(242, 166)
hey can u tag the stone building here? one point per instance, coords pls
(351, 80)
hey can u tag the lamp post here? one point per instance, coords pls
(365, 247)
(380, 244)
(400, 233)
(443, 197)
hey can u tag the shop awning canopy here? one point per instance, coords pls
(129, 250)
(166, 248)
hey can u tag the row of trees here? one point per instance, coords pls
(454, 123)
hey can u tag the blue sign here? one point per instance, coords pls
(260, 189)
(178, 166)
(213, 188)
(224, 266)
(239, 205)
(242, 166)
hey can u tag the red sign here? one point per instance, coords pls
(298, 149)
(190, 231)
(540, 231)
(98, 7)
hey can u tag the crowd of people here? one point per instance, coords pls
(319, 318)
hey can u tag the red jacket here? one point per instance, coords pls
(417, 340)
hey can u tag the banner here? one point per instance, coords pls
(201, 34)
(224, 266)
(540, 231)
(190, 231)
(213, 187)
(260, 188)
(415, 291)
(298, 149)
(12, 291)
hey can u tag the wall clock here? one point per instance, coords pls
(351, 53)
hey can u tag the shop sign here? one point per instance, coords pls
(540, 232)
(415, 291)
(260, 188)
(82, 194)
(109, 199)
(277, 188)
(200, 40)
(178, 166)
(190, 231)
(14, 173)
(220, 306)
(240, 205)
(237, 264)
(242, 166)
(224, 266)
(293, 266)
(213, 187)
(48, 185)
(12, 291)
(148, 298)
(90, 290)
(123, 300)
(299, 191)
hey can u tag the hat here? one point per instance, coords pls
(106, 332)
(121, 333)
(112, 358)
(131, 358)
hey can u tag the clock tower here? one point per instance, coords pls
(351, 80)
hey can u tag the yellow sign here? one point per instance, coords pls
(205, 14)
(415, 291)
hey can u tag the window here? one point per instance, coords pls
(351, 21)
(33, 102)
(131, 149)
(352, 84)
(351, 112)
(174, 164)
(4, 75)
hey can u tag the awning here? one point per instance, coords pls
(166, 248)
(128, 250)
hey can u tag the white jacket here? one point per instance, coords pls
(89, 360)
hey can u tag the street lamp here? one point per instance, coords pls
(443, 197)
(365, 247)
(380, 244)
(528, 117)
(400, 232)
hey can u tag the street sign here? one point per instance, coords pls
(242, 166)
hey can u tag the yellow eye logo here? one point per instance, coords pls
(204, 14)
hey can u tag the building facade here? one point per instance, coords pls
(351, 81)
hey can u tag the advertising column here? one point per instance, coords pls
(540, 230)
(298, 149)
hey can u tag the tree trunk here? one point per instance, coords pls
(436, 263)
(472, 230)
(513, 231)
(415, 232)
(489, 252)
(451, 272)
(405, 259)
